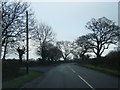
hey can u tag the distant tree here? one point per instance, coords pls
(104, 33)
(54, 53)
(75, 50)
(83, 45)
(65, 47)
(42, 35)
(21, 51)
(13, 22)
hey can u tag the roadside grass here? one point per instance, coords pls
(102, 69)
(19, 81)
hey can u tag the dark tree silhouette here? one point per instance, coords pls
(104, 33)
(81, 46)
(42, 35)
(13, 23)
(21, 51)
(66, 48)
(52, 53)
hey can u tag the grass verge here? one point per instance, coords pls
(19, 81)
(98, 68)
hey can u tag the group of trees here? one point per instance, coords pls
(45, 37)
(49, 53)
(104, 32)
(14, 25)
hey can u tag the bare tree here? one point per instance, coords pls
(83, 45)
(104, 33)
(13, 22)
(21, 51)
(42, 35)
(76, 53)
(65, 47)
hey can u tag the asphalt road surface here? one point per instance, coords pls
(72, 76)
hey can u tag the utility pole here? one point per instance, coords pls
(119, 25)
(0, 49)
(0, 32)
(27, 43)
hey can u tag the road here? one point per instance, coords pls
(72, 76)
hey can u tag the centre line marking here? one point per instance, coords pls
(82, 79)
(73, 70)
(86, 82)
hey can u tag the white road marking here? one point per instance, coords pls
(82, 79)
(73, 70)
(86, 82)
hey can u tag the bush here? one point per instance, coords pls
(113, 57)
(10, 68)
(110, 61)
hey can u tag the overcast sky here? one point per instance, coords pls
(68, 19)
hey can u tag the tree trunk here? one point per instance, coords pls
(98, 54)
(43, 55)
(20, 57)
(5, 51)
(65, 58)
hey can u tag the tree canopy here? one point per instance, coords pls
(104, 33)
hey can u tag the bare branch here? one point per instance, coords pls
(104, 33)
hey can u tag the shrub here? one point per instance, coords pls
(10, 68)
